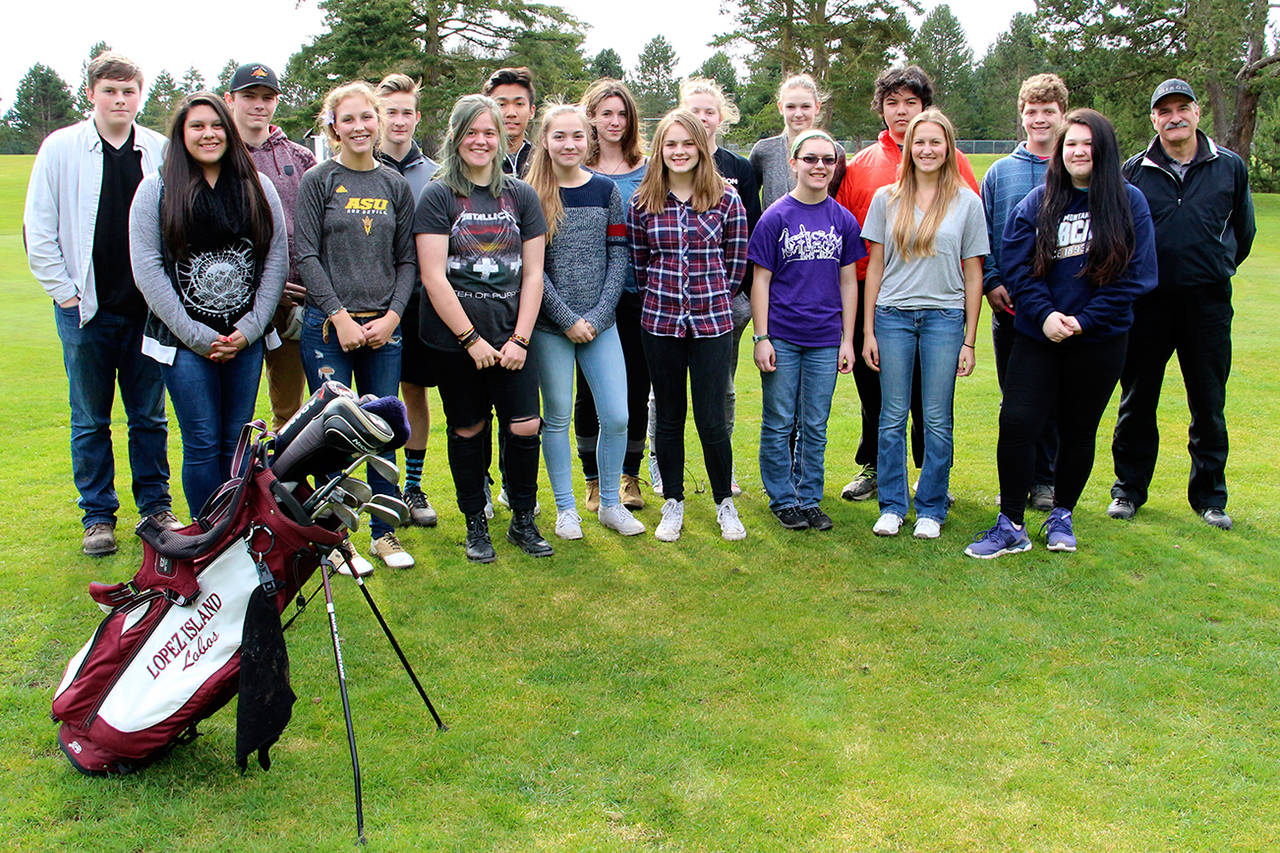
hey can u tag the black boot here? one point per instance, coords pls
(524, 532)
(479, 545)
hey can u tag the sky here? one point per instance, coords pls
(164, 34)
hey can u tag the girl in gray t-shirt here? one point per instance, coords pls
(927, 236)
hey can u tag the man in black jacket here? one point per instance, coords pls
(1203, 215)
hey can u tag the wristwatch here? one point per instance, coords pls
(755, 339)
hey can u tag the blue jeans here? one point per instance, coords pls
(212, 402)
(936, 333)
(799, 393)
(376, 371)
(106, 351)
(606, 373)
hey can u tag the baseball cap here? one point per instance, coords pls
(1172, 86)
(254, 74)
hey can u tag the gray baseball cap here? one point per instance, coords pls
(1172, 86)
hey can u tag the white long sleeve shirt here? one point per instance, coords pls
(61, 210)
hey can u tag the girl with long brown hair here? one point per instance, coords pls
(688, 234)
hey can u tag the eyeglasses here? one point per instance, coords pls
(813, 159)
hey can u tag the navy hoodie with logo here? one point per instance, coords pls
(1103, 310)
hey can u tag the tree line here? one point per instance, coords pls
(1111, 57)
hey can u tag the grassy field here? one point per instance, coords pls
(790, 692)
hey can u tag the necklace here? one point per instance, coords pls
(617, 168)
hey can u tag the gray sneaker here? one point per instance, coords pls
(1041, 497)
(421, 513)
(1121, 508)
(1215, 517)
(862, 486)
(99, 540)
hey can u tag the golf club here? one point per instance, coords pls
(392, 504)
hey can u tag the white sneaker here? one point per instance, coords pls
(927, 528)
(360, 565)
(619, 518)
(888, 524)
(502, 499)
(672, 521)
(730, 525)
(568, 524)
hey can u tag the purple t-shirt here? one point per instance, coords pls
(804, 246)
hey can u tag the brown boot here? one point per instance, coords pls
(630, 492)
(593, 496)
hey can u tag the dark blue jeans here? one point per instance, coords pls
(212, 401)
(106, 351)
(376, 371)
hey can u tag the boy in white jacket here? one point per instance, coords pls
(76, 226)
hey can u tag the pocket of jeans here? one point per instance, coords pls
(954, 314)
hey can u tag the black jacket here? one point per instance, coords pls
(1204, 221)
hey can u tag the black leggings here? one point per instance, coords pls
(1073, 379)
(585, 424)
(469, 395)
(706, 363)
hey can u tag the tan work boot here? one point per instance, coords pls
(630, 492)
(593, 496)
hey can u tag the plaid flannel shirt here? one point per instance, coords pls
(688, 265)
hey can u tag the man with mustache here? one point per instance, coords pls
(1203, 215)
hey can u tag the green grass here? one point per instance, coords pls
(794, 691)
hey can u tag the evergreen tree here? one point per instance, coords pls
(82, 94)
(654, 83)
(224, 76)
(720, 68)
(192, 81)
(942, 49)
(607, 63)
(161, 103)
(842, 44)
(1017, 53)
(41, 105)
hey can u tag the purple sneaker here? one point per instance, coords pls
(1058, 530)
(1002, 539)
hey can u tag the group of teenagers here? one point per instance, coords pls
(560, 272)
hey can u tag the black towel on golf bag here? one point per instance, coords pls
(169, 652)
(266, 699)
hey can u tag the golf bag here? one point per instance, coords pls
(199, 621)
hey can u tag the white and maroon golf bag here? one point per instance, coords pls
(199, 621)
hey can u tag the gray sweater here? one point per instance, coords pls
(147, 254)
(354, 235)
(586, 264)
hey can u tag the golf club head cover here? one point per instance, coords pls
(391, 410)
(356, 431)
(310, 411)
(309, 454)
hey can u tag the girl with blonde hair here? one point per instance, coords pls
(582, 280)
(800, 104)
(926, 236)
(354, 235)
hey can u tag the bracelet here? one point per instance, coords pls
(755, 339)
(469, 339)
(464, 335)
(520, 341)
(970, 346)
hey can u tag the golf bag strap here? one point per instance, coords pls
(245, 445)
(180, 546)
(113, 594)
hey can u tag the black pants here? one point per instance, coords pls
(468, 396)
(868, 383)
(1195, 322)
(586, 426)
(1075, 377)
(1002, 337)
(706, 363)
